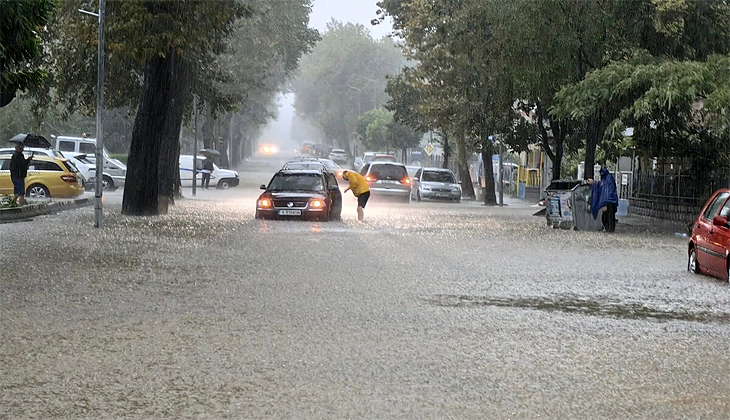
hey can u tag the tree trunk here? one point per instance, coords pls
(207, 130)
(593, 138)
(490, 198)
(447, 150)
(467, 187)
(155, 146)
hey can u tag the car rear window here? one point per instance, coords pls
(438, 176)
(308, 165)
(303, 182)
(40, 165)
(388, 172)
(70, 166)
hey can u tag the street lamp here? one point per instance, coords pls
(359, 99)
(98, 191)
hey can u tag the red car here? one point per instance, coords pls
(709, 245)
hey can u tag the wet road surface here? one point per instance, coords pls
(425, 311)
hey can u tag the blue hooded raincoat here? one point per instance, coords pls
(603, 192)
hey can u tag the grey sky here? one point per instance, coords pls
(355, 11)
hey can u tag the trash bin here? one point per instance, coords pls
(568, 205)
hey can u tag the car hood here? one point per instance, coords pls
(295, 194)
(227, 173)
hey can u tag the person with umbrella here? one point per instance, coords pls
(18, 171)
(207, 166)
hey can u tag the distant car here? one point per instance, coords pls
(384, 158)
(47, 177)
(300, 194)
(388, 179)
(221, 178)
(709, 246)
(338, 155)
(315, 163)
(306, 148)
(436, 183)
(269, 149)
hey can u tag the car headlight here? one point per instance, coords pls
(426, 188)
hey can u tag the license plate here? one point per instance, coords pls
(442, 194)
(290, 212)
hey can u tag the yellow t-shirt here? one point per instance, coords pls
(358, 184)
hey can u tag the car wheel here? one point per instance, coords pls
(224, 184)
(458, 200)
(107, 183)
(38, 191)
(692, 265)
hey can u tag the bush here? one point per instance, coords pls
(7, 201)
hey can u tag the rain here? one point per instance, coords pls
(399, 220)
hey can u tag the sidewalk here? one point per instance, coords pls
(34, 209)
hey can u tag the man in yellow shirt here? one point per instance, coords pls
(360, 189)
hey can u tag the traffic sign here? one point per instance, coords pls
(429, 149)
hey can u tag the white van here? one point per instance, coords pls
(115, 172)
(221, 178)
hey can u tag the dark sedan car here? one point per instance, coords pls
(300, 194)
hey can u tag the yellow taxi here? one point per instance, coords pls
(47, 177)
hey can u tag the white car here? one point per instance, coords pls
(338, 155)
(221, 178)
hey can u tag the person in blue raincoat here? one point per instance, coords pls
(604, 196)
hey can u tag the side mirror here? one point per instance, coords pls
(415, 178)
(720, 221)
(263, 187)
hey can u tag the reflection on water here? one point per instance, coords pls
(608, 308)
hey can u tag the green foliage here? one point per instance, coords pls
(21, 26)
(7, 201)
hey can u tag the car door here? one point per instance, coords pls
(708, 252)
(6, 185)
(718, 241)
(335, 194)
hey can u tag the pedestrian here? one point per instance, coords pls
(605, 197)
(360, 189)
(207, 170)
(18, 171)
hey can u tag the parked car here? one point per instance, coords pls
(86, 168)
(338, 155)
(436, 183)
(388, 179)
(300, 194)
(366, 158)
(221, 178)
(115, 172)
(709, 244)
(47, 177)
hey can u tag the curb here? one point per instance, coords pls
(33, 210)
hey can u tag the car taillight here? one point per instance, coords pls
(265, 203)
(369, 179)
(407, 181)
(69, 178)
(317, 204)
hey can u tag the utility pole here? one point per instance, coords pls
(501, 173)
(99, 189)
(195, 143)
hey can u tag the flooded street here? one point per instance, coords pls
(424, 311)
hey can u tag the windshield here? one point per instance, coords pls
(296, 182)
(438, 176)
(70, 166)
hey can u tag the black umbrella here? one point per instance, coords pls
(31, 140)
(209, 152)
